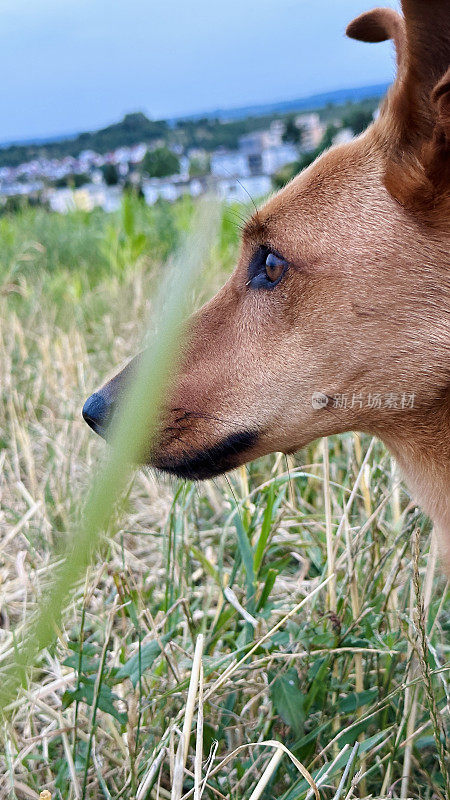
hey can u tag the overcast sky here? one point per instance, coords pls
(72, 65)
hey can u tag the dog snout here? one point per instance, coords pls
(97, 413)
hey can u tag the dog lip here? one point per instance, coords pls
(95, 427)
(203, 464)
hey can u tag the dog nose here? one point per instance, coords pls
(96, 412)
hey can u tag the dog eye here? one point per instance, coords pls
(266, 269)
(275, 267)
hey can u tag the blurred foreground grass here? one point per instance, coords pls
(214, 566)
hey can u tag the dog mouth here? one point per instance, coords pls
(191, 464)
(210, 462)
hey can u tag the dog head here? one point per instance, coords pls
(337, 314)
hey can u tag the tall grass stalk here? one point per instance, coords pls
(138, 418)
(422, 649)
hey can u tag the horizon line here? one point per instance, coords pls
(60, 136)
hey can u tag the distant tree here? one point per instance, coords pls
(357, 119)
(12, 205)
(199, 167)
(285, 174)
(160, 163)
(73, 181)
(307, 158)
(292, 132)
(132, 129)
(110, 174)
(327, 139)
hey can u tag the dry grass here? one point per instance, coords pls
(205, 635)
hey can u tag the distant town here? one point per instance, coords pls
(233, 159)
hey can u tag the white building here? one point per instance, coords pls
(111, 199)
(20, 188)
(87, 198)
(273, 158)
(257, 141)
(343, 136)
(260, 153)
(312, 131)
(137, 153)
(170, 189)
(238, 191)
(61, 200)
(277, 128)
(227, 163)
(184, 167)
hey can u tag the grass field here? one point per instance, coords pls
(203, 633)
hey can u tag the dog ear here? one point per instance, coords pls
(420, 178)
(428, 40)
(379, 25)
(414, 123)
(427, 57)
(441, 98)
(422, 41)
(436, 152)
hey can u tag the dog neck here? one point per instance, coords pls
(422, 450)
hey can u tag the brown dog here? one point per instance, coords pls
(337, 316)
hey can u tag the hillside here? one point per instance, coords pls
(209, 130)
(131, 129)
